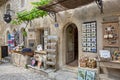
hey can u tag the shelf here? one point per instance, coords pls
(50, 63)
(112, 64)
(51, 56)
(52, 51)
(41, 52)
(41, 69)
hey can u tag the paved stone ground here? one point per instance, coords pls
(10, 72)
(65, 75)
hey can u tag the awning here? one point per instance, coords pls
(61, 5)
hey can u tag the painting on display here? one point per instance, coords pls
(89, 37)
(90, 75)
(84, 74)
(81, 74)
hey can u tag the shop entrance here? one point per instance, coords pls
(72, 45)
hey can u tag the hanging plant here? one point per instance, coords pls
(32, 14)
(24, 33)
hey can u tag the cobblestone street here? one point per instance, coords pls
(10, 72)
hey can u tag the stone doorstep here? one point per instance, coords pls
(58, 75)
(46, 72)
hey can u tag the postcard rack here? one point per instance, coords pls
(52, 52)
(89, 37)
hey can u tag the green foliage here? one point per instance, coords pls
(24, 33)
(41, 3)
(32, 14)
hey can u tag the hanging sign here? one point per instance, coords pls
(7, 18)
(56, 25)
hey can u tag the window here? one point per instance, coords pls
(22, 3)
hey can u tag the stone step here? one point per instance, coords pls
(55, 75)
(108, 77)
(45, 72)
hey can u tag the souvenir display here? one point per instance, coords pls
(84, 74)
(88, 62)
(81, 74)
(90, 75)
(110, 34)
(89, 37)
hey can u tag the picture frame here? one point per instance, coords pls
(81, 74)
(84, 74)
(90, 75)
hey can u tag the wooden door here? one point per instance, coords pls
(70, 44)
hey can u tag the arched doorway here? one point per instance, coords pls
(72, 45)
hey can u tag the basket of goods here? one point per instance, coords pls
(92, 63)
(83, 61)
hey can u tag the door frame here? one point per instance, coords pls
(64, 46)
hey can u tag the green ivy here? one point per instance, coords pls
(32, 14)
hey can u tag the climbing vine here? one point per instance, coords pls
(27, 16)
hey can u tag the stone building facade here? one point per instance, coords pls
(70, 19)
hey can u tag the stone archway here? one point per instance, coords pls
(71, 40)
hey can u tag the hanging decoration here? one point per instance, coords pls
(100, 5)
(7, 18)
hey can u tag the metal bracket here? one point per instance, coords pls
(53, 15)
(100, 5)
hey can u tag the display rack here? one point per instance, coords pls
(52, 51)
(110, 34)
(89, 37)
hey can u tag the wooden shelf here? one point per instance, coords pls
(50, 63)
(112, 64)
(41, 52)
(52, 51)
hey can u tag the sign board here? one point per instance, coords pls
(105, 54)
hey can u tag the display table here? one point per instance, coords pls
(20, 60)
